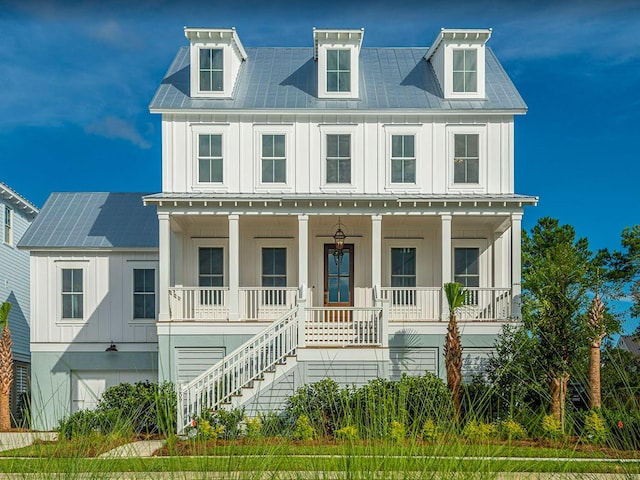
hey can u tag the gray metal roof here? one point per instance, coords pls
(286, 78)
(93, 220)
(630, 344)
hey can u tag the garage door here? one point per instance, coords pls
(88, 386)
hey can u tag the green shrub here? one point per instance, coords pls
(348, 433)
(430, 431)
(551, 427)
(230, 420)
(478, 431)
(303, 429)
(275, 424)
(253, 427)
(398, 432)
(324, 403)
(595, 430)
(512, 430)
(81, 423)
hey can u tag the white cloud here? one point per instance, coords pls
(117, 128)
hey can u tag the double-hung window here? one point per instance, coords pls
(144, 293)
(338, 70)
(466, 271)
(8, 225)
(274, 159)
(403, 159)
(72, 293)
(210, 158)
(211, 70)
(466, 158)
(274, 275)
(339, 158)
(211, 274)
(403, 275)
(465, 70)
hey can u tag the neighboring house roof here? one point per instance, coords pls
(10, 195)
(93, 220)
(286, 78)
(630, 344)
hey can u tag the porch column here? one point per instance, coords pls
(446, 261)
(516, 265)
(234, 266)
(164, 263)
(303, 252)
(376, 251)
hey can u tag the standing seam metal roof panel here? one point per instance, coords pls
(286, 79)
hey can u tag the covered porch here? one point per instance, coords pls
(257, 262)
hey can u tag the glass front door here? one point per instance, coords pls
(338, 277)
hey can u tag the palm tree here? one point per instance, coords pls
(6, 367)
(456, 296)
(598, 332)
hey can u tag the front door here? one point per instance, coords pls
(338, 277)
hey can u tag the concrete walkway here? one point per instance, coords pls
(11, 440)
(143, 448)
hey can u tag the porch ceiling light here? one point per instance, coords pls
(338, 238)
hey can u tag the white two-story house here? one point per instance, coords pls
(314, 201)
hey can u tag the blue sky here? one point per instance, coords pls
(76, 79)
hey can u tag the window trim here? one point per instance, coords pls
(337, 71)
(481, 131)
(422, 263)
(227, 68)
(420, 157)
(193, 155)
(8, 225)
(484, 259)
(60, 292)
(479, 47)
(143, 265)
(199, 243)
(353, 131)
(354, 61)
(290, 167)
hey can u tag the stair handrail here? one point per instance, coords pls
(237, 370)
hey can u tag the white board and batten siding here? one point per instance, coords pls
(107, 296)
(370, 151)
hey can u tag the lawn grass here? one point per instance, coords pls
(279, 463)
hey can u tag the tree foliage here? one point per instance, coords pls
(556, 276)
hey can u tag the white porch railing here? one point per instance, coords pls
(198, 303)
(413, 303)
(247, 363)
(486, 304)
(429, 303)
(343, 326)
(266, 303)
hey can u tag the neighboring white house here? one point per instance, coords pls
(270, 156)
(16, 214)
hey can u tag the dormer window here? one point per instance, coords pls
(211, 70)
(458, 59)
(465, 70)
(338, 70)
(216, 55)
(337, 53)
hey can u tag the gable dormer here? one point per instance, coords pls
(458, 59)
(337, 53)
(216, 55)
